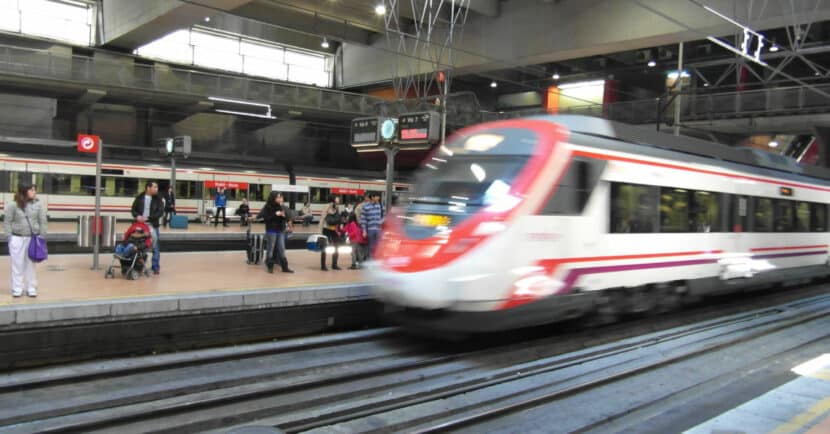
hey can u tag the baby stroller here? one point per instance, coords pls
(131, 256)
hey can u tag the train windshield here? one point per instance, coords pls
(465, 176)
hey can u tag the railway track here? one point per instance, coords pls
(381, 381)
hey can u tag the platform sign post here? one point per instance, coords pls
(390, 152)
(90, 143)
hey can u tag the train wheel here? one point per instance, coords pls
(670, 296)
(641, 299)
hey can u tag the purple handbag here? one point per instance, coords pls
(37, 246)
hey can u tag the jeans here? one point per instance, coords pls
(374, 237)
(168, 214)
(216, 217)
(155, 232)
(272, 240)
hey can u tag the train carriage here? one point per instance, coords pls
(67, 187)
(529, 221)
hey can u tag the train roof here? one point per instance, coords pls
(644, 136)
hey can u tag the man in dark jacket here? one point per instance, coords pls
(149, 208)
(169, 206)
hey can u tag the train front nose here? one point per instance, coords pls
(424, 289)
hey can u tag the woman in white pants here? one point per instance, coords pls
(24, 216)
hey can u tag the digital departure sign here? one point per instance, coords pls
(419, 128)
(365, 132)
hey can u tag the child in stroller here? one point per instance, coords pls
(131, 253)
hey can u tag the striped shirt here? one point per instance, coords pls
(371, 217)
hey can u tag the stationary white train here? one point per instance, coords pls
(522, 222)
(67, 187)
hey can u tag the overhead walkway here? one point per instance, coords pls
(124, 77)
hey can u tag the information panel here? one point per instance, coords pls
(365, 132)
(419, 128)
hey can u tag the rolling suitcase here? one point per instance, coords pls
(178, 222)
(256, 247)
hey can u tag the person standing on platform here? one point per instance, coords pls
(371, 221)
(277, 226)
(244, 212)
(220, 202)
(149, 208)
(330, 226)
(358, 209)
(169, 206)
(24, 216)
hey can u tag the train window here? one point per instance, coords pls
(88, 185)
(320, 195)
(27, 177)
(259, 192)
(633, 208)
(60, 183)
(705, 213)
(674, 210)
(762, 220)
(574, 188)
(783, 215)
(818, 217)
(187, 190)
(802, 217)
(126, 187)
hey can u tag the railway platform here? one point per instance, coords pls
(210, 295)
(198, 236)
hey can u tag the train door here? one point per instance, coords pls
(737, 262)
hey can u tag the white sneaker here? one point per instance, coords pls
(32, 293)
(17, 294)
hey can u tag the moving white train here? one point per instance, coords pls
(67, 187)
(529, 221)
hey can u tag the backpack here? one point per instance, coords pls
(332, 219)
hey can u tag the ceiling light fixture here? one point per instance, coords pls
(773, 144)
(493, 84)
(325, 43)
(556, 76)
(237, 101)
(380, 9)
(267, 115)
(773, 49)
(652, 63)
(207, 19)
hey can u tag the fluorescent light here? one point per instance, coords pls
(652, 63)
(773, 143)
(705, 84)
(673, 75)
(253, 115)
(734, 50)
(325, 43)
(582, 84)
(478, 172)
(237, 101)
(773, 49)
(205, 168)
(380, 9)
(207, 19)
(493, 84)
(556, 76)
